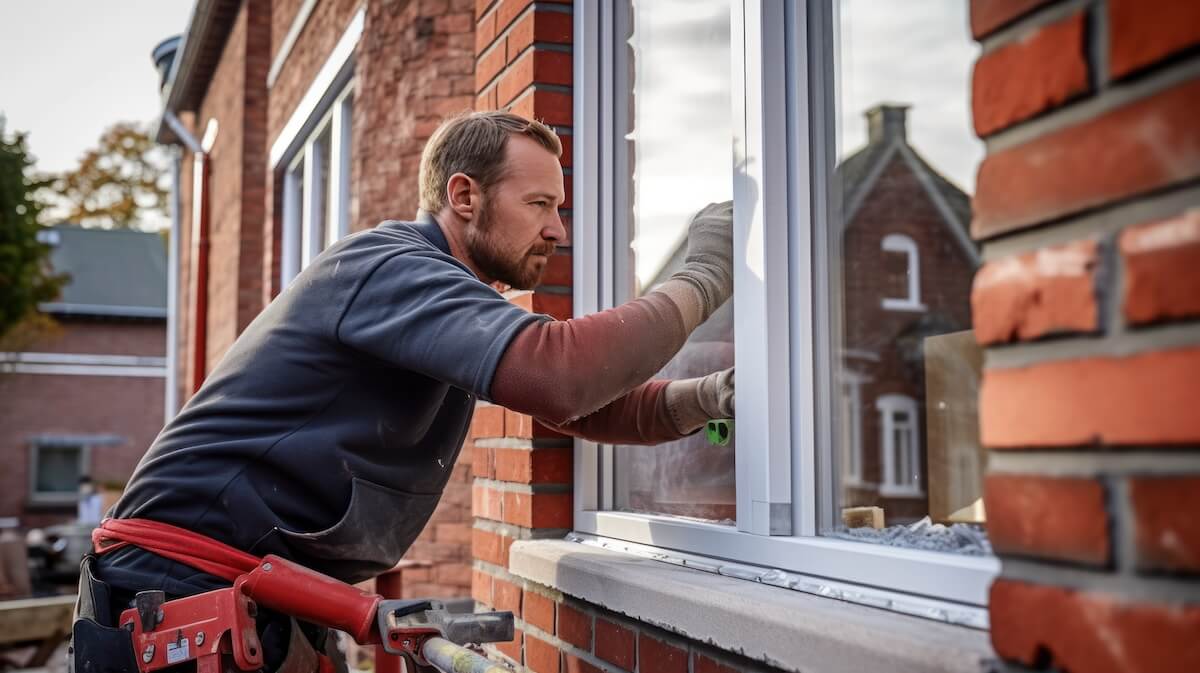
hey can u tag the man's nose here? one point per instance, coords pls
(555, 231)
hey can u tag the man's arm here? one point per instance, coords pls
(564, 370)
(657, 411)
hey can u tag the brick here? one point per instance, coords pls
(655, 655)
(1144, 32)
(481, 587)
(486, 101)
(481, 462)
(1136, 400)
(487, 422)
(1064, 519)
(508, 10)
(703, 664)
(506, 596)
(487, 503)
(452, 574)
(1161, 262)
(518, 425)
(512, 649)
(540, 656)
(1165, 518)
(489, 65)
(568, 150)
(453, 23)
(615, 643)
(482, 6)
(1148, 144)
(538, 466)
(988, 15)
(573, 664)
(485, 33)
(550, 27)
(559, 269)
(537, 510)
(455, 533)
(490, 547)
(538, 610)
(534, 66)
(1054, 628)
(557, 305)
(551, 107)
(1043, 69)
(1029, 296)
(575, 627)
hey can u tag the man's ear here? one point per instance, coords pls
(462, 195)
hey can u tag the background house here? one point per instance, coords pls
(86, 398)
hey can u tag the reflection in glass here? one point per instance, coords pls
(677, 121)
(906, 365)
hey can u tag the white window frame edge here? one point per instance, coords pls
(903, 243)
(960, 580)
(289, 40)
(325, 102)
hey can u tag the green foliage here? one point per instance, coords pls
(25, 275)
(122, 183)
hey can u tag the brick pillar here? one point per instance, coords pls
(522, 470)
(1086, 204)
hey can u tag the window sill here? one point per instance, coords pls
(792, 630)
(900, 492)
(900, 305)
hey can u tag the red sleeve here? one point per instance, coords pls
(637, 417)
(562, 370)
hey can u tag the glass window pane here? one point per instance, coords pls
(676, 117)
(901, 266)
(57, 469)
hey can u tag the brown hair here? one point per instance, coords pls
(473, 143)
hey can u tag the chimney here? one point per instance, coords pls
(887, 122)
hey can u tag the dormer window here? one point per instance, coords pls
(901, 244)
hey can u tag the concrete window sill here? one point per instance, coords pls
(788, 629)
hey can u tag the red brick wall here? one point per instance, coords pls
(1087, 306)
(415, 68)
(41, 404)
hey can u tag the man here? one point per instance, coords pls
(328, 431)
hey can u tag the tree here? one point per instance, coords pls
(26, 278)
(122, 183)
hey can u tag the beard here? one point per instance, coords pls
(521, 270)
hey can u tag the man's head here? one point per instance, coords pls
(497, 176)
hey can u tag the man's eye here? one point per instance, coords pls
(541, 204)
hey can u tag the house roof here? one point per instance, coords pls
(113, 272)
(196, 60)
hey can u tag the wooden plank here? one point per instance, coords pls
(31, 619)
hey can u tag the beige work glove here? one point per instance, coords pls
(692, 402)
(708, 264)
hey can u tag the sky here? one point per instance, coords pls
(74, 67)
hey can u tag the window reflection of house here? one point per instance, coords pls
(906, 275)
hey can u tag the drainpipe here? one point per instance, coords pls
(172, 393)
(200, 277)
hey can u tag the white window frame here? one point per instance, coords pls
(899, 243)
(784, 486)
(327, 106)
(895, 481)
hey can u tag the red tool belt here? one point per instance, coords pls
(220, 624)
(206, 626)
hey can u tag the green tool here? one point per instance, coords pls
(719, 431)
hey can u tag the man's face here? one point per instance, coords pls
(518, 226)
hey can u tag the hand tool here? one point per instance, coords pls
(219, 625)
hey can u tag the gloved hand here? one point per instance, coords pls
(708, 264)
(692, 402)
